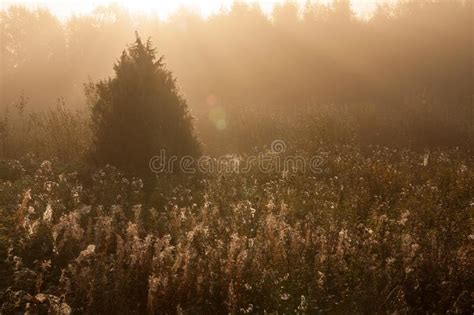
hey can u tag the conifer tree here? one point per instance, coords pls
(139, 112)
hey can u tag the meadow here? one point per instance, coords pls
(378, 231)
(382, 223)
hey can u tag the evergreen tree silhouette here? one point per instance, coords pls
(140, 112)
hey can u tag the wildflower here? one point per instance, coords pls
(46, 166)
(18, 262)
(138, 183)
(270, 205)
(284, 296)
(41, 297)
(425, 159)
(31, 226)
(247, 310)
(48, 186)
(303, 304)
(404, 217)
(343, 233)
(48, 213)
(46, 264)
(88, 251)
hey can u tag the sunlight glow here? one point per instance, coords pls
(165, 8)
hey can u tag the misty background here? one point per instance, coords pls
(246, 75)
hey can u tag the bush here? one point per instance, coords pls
(56, 133)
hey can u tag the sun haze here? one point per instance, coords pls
(236, 156)
(64, 9)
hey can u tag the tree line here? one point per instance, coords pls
(317, 52)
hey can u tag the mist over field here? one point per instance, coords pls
(236, 157)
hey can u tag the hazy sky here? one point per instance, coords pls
(64, 8)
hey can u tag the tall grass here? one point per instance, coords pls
(379, 231)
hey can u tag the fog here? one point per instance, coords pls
(242, 59)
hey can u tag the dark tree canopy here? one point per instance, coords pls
(140, 112)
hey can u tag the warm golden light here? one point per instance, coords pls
(236, 156)
(165, 8)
